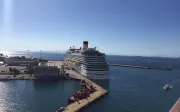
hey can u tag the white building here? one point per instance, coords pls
(18, 62)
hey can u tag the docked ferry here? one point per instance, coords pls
(88, 61)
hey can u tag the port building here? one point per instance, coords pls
(46, 71)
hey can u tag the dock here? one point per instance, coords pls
(142, 67)
(76, 107)
(176, 107)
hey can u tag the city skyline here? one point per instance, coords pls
(120, 27)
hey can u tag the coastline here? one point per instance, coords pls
(27, 77)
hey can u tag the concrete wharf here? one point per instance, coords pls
(76, 107)
(176, 107)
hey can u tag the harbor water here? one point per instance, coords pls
(130, 89)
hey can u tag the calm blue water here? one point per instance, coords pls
(130, 89)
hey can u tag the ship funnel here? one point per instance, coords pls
(85, 44)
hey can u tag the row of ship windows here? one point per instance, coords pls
(96, 65)
(102, 63)
(89, 74)
(89, 61)
(96, 61)
(89, 58)
(94, 56)
(93, 63)
(97, 69)
(86, 57)
(96, 73)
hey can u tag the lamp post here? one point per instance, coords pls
(27, 58)
(40, 55)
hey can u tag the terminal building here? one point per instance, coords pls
(46, 71)
(20, 62)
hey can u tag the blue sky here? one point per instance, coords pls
(124, 27)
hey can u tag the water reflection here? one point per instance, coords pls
(10, 98)
(103, 83)
(40, 84)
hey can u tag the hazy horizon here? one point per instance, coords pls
(119, 27)
(62, 52)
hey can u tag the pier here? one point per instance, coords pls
(77, 106)
(142, 67)
(176, 107)
(81, 104)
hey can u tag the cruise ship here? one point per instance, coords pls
(88, 61)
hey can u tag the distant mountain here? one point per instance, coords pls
(43, 51)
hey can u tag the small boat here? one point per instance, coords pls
(167, 87)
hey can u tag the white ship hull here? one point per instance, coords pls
(97, 75)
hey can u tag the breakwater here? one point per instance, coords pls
(142, 67)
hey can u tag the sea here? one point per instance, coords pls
(130, 89)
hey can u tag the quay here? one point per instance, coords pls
(142, 67)
(81, 104)
(77, 106)
(176, 107)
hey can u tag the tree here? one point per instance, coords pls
(10, 70)
(15, 71)
(67, 74)
(23, 57)
(30, 70)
